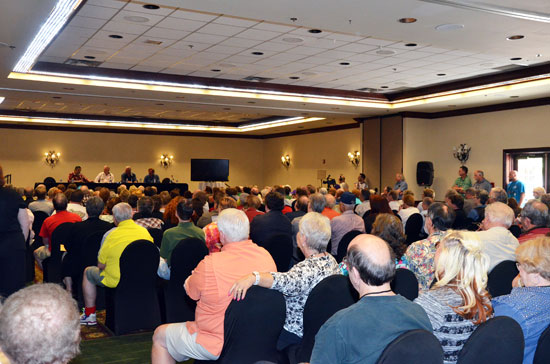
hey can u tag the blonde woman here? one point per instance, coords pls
(528, 302)
(458, 302)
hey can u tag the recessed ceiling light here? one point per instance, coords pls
(315, 31)
(514, 97)
(538, 55)
(384, 86)
(151, 7)
(293, 40)
(515, 59)
(385, 52)
(227, 108)
(258, 53)
(441, 74)
(136, 19)
(515, 37)
(294, 77)
(115, 36)
(159, 104)
(309, 73)
(215, 70)
(89, 57)
(344, 63)
(407, 20)
(411, 45)
(449, 27)
(56, 97)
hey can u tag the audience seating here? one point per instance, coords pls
(329, 296)
(405, 284)
(133, 304)
(542, 354)
(413, 227)
(496, 341)
(501, 277)
(280, 248)
(39, 217)
(87, 257)
(185, 257)
(413, 347)
(515, 230)
(52, 265)
(344, 243)
(252, 327)
(156, 234)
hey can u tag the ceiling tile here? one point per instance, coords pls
(225, 49)
(326, 43)
(221, 29)
(345, 37)
(227, 20)
(337, 54)
(193, 15)
(316, 60)
(107, 3)
(164, 42)
(162, 33)
(113, 65)
(306, 51)
(204, 38)
(179, 24)
(116, 27)
(125, 16)
(376, 42)
(272, 62)
(258, 34)
(102, 40)
(240, 42)
(274, 27)
(144, 68)
(414, 55)
(364, 57)
(191, 46)
(98, 12)
(273, 46)
(138, 7)
(415, 63)
(85, 22)
(357, 47)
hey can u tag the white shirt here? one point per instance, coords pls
(499, 244)
(406, 213)
(105, 178)
(362, 208)
(394, 205)
(76, 209)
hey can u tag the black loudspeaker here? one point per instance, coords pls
(425, 173)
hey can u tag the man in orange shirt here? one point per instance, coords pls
(208, 284)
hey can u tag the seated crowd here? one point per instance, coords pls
(450, 247)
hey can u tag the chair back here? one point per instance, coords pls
(542, 354)
(496, 341)
(515, 230)
(329, 296)
(344, 243)
(52, 265)
(414, 347)
(49, 181)
(280, 248)
(39, 217)
(156, 234)
(133, 304)
(413, 227)
(500, 279)
(405, 284)
(90, 249)
(187, 254)
(252, 327)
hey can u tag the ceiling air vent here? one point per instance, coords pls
(153, 42)
(257, 79)
(82, 62)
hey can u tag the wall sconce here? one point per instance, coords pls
(462, 152)
(52, 158)
(285, 160)
(354, 158)
(166, 160)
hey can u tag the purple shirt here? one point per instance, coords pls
(343, 224)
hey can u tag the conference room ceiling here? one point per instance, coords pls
(320, 48)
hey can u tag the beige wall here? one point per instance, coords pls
(310, 153)
(488, 134)
(22, 155)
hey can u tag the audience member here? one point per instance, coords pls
(75, 204)
(273, 222)
(365, 203)
(348, 221)
(545, 199)
(481, 183)
(211, 231)
(400, 185)
(498, 194)
(477, 214)
(14, 228)
(253, 203)
(301, 208)
(538, 192)
(359, 333)
(297, 283)
(389, 228)
(462, 182)
(106, 176)
(128, 176)
(528, 303)
(515, 187)
(361, 182)
(456, 202)
(39, 325)
(144, 215)
(76, 176)
(426, 192)
(497, 242)
(209, 284)
(379, 205)
(420, 254)
(107, 271)
(51, 223)
(407, 209)
(28, 195)
(513, 204)
(170, 215)
(458, 302)
(41, 203)
(534, 220)
(329, 210)
(470, 201)
(393, 200)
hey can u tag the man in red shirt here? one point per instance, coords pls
(534, 220)
(76, 176)
(209, 284)
(61, 216)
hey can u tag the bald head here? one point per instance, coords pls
(372, 258)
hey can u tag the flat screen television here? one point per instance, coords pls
(209, 169)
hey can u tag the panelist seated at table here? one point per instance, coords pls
(77, 176)
(106, 176)
(128, 176)
(151, 177)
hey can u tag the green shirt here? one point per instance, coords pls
(463, 183)
(173, 236)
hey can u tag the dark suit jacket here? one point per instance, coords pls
(294, 214)
(267, 225)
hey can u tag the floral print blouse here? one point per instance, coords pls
(420, 259)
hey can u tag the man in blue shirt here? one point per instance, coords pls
(359, 333)
(128, 176)
(515, 188)
(400, 184)
(151, 177)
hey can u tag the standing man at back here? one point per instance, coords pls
(359, 333)
(515, 188)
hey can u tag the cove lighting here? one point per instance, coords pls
(56, 20)
(157, 126)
